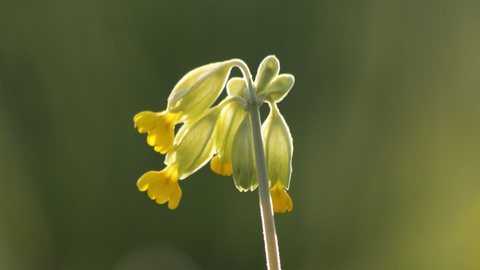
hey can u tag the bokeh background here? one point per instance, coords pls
(384, 114)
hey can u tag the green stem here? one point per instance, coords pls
(266, 210)
(268, 222)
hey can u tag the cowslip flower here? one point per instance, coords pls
(192, 95)
(221, 134)
(278, 152)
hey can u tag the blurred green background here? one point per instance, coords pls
(384, 114)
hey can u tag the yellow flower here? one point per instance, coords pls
(192, 95)
(280, 199)
(191, 150)
(162, 186)
(159, 127)
(278, 153)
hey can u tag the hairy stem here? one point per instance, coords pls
(266, 209)
(268, 222)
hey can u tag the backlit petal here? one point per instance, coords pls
(147, 179)
(175, 197)
(161, 186)
(280, 199)
(145, 121)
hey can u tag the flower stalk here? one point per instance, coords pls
(266, 210)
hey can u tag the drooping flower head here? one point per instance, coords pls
(223, 132)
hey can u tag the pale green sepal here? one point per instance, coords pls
(278, 147)
(230, 118)
(236, 86)
(195, 147)
(243, 157)
(267, 71)
(199, 89)
(186, 126)
(280, 87)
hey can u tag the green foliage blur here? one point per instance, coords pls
(385, 117)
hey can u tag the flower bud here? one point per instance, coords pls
(236, 86)
(279, 87)
(199, 89)
(243, 157)
(267, 71)
(231, 117)
(278, 147)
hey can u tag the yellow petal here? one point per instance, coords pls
(162, 186)
(175, 197)
(152, 135)
(164, 190)
(227, 169)
(154, 189)
(280, 199)
(146, 121)
(215, 165)
(219, 168)
(140, 114)
(289, 203)
(161, 137)
(147, 179)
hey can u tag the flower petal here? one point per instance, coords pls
(280, 199)
(175, 197)
(162, 186)
(145, 121)
(147, 179)
(219, 168)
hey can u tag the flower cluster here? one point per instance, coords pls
(223, 132)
